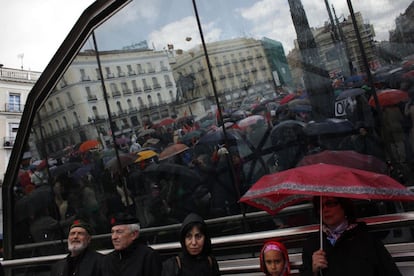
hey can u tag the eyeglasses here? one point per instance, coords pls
(330, 203)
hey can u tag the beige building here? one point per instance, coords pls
(239, 68)
(15, 85)
(140, 88)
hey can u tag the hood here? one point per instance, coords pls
(280, 247)
(191, 220)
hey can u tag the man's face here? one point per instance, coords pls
(78, 240)
(122, 236)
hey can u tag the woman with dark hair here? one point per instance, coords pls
(195, 257)
(348, 247)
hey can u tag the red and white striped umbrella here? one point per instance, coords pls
(276, 191)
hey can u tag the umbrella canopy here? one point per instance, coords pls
(172, 150)
(408, 75)
(64, 168)
(350, 93)
(190, 135)
(145, 132)
(166, 122)
(328, 126)
(173, 170)
(125, 159)
(286, 132)
(251, 120)
(216, 136)
(296, 102)
(276, 191)
(144, 155)
(34, 203)
(390, 97)
(89, 144)
(151, 142)
(287, 98)
(207, 124)
(346, 158)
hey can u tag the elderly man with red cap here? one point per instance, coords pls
(81, 260)
(132, 256)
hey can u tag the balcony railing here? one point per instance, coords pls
(15, 108)
(92, 98)
(126, 92)
(116, 94)
(22, 75)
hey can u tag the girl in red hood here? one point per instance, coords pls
(274, 259)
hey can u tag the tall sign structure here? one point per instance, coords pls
(316, 78)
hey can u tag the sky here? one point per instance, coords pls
(32, 30)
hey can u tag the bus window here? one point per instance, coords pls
(119, 129)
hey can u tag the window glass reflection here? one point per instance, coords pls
(158, 129)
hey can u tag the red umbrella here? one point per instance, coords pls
(274, 192)
(389, 97)
(287, 98)
(172, 150)
(166, 122)
(89, 144)
(346, 158)
(408, 75)
(250, 120)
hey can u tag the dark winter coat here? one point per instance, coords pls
(357, 252)
(86, 264)
(201, 265)
(136, 260)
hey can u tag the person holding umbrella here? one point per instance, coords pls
(347, 246)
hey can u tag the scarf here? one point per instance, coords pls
(333, 234)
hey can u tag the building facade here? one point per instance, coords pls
(15, 85)
(139, 88)
(239, 68)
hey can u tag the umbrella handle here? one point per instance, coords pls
(320, 228)
(320, 223)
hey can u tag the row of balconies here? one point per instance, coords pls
(119, 75)
(233, 60)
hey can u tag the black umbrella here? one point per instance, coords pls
(329, 126)
(34, 203)
(217, 136)
(350, 93)
(286, 132)
(64, 168)
(172, 170)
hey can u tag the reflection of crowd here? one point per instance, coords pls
(223, 169)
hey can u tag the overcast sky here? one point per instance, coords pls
(33, 30)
